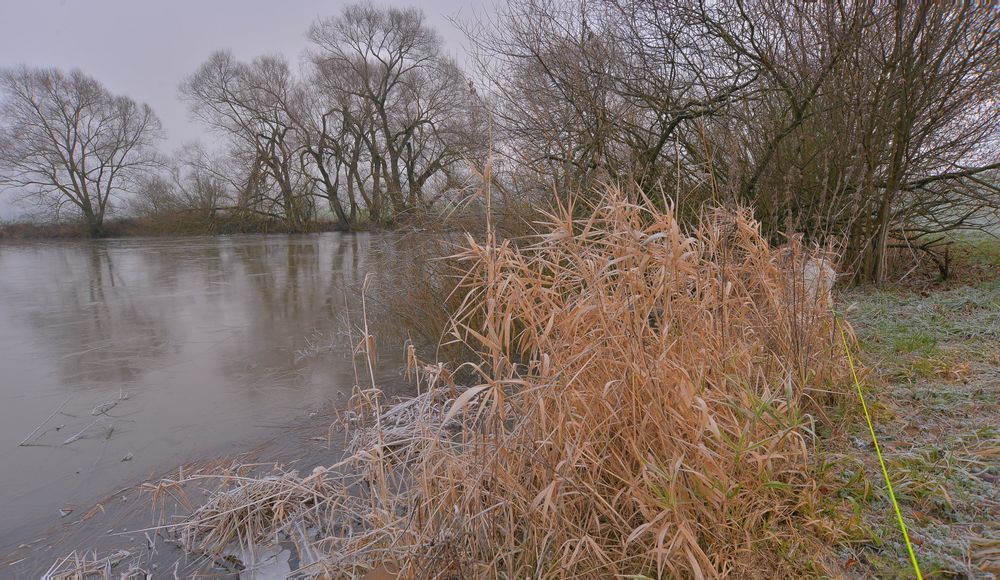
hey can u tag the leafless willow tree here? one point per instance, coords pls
(379, 123)
(392, 113)
(871, 122)
(247, 103)
(594, 91)
(68, 142)
(194, 184)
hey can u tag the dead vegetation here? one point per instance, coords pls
(81, 566)
(647, 406)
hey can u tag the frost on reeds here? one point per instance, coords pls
(646, 407)
(86, 565)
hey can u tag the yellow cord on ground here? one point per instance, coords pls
(878, 451)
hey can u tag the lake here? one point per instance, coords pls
(129, 357)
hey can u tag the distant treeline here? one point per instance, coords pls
(867, 126)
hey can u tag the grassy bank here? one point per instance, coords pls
(934, 380)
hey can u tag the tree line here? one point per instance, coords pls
(865, 125)
(379, 122)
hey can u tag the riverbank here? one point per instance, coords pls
(160, 227)
(932, 378)
(601, 364)
(933, 385)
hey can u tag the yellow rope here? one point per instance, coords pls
(878, 451)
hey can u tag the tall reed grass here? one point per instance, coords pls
(646, 406)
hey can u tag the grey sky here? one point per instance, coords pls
(144, 48)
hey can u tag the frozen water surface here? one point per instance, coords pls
(155, 352)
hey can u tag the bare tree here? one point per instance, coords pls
(248, 104)
(394, 111)
(379, 124)
(934, 119)
(68, 142)
(864, 124)
(331, 149)
(592, 91)
(870, 123)
(194, 185)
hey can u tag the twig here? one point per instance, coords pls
(82, 431)
(49, 418)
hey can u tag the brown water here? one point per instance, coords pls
(217, 343)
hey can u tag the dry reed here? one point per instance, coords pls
(647, 408)
(88, 565)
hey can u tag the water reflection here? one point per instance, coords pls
(214, 339)
(97, 333)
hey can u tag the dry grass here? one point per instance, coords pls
(90, 565)
(646, 407)
(415, 287)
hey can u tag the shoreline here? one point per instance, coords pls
(920, 368)
(134, 228)
(124, 521)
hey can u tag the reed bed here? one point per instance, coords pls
(646, 407)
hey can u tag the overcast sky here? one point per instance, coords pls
(144, 48)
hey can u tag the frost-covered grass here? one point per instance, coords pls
(934, 381)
